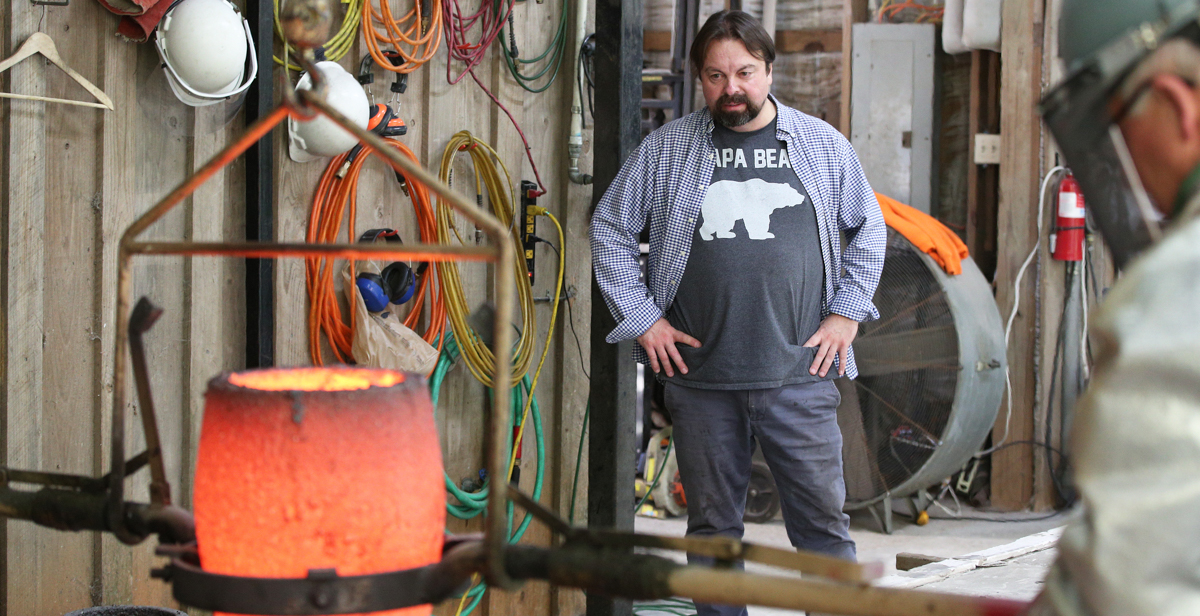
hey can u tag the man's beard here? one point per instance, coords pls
(732, 119)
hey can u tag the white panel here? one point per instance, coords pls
(887, 156)
(892, 109)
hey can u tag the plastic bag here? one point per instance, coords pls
(384, 342)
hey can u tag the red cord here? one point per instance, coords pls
(458, 30)
(528, 150)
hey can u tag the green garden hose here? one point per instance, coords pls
(551, 56)
(472, 504)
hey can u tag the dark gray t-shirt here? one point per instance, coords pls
(752, 289)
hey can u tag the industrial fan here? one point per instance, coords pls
(931, 378)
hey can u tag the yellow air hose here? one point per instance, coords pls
(491, 178)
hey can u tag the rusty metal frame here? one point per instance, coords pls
(720, 548)
(305, 105)
(322, 591)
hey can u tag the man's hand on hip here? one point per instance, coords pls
(832, 340)
(659, 342)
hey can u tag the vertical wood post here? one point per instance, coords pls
(1020, 175)
(853, 12)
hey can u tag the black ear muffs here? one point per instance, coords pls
(400, 282)
(395, 285)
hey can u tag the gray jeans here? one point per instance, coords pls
(796, 427)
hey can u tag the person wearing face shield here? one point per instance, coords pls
(1127, 121)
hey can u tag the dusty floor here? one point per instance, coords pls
(1019, 578)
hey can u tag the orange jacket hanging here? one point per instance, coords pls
(926, 233)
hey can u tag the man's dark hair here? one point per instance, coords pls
(736, 25)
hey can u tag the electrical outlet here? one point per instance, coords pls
(987, 149)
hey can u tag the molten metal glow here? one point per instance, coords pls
(317, 468)
(315, 379)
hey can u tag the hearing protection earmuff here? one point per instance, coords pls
(396, 284)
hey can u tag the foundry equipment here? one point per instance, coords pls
(292, 401)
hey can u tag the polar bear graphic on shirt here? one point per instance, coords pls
(752, 202)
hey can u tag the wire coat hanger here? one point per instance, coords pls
(43, 44)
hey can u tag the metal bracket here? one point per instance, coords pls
(568, 294)
(323, 591)
(882, 512)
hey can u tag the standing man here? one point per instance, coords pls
(750, 302)
(1127, 120)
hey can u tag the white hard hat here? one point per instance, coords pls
(320, 137)
(204, 45)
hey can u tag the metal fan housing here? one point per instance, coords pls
(931, 378)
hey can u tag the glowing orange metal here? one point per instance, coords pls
(318, 468)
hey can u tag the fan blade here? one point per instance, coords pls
(935, 347)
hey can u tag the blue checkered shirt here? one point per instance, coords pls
(664, 182)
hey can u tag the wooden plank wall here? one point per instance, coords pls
(74, 178)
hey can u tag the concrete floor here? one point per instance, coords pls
(1016, 579)
(1019, 578)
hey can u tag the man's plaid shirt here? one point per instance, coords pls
(664, 182)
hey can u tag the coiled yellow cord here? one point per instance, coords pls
(499, 189)
(338, 45)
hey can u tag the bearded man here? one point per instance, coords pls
(750, 302)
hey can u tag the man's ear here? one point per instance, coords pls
(1182, 97)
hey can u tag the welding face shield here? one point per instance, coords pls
(1082, 113)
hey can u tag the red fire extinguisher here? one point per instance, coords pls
(1066, 244)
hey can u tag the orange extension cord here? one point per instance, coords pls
(414, 40)
(339, 188)
(930, 14)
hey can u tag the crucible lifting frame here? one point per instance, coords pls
(303, 105)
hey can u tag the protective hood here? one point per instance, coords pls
(1078, 114)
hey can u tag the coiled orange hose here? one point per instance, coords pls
(337, 191)
(415, 40)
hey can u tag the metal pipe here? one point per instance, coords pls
(173, 525)
(1071, 381)
(252, 135)
(737, 588)
(416, 252)
(496, 534)
(719, 548)
(575, 140)
(144, 316)
(644, 577)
